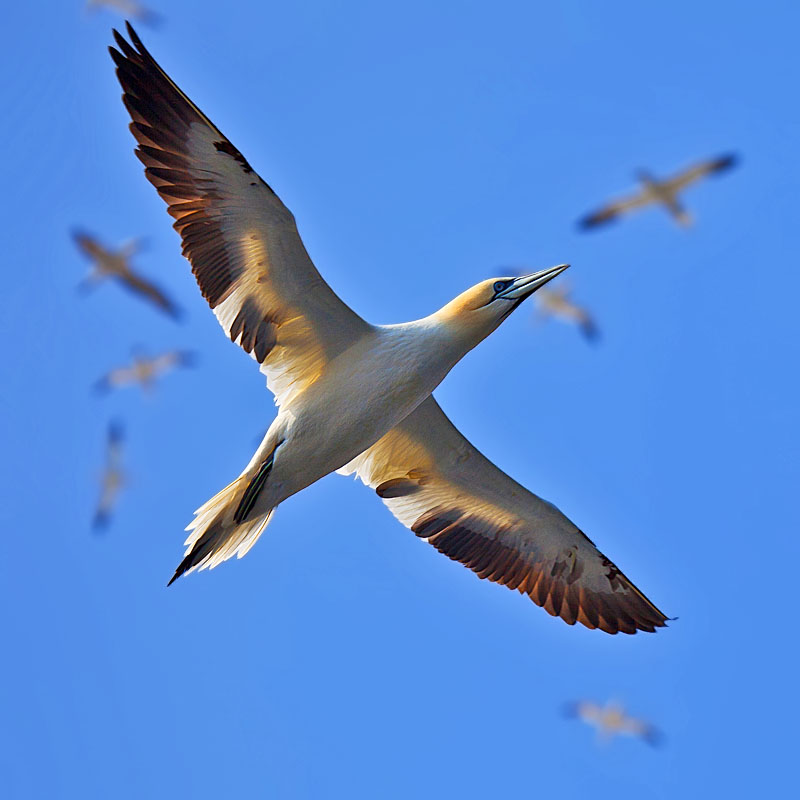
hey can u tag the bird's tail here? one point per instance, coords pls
(219, 529)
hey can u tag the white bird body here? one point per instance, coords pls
(365, 392)
(352, 397)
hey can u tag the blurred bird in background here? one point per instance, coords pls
(556, 303)
(144, 370)
(112, 479)
(109, 263)
(130, 9)
(611, 720)
(660, 192)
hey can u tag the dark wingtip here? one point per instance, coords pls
(569, 710)
(118, 38)
(187, 358)
(654, 737)
(101, 386)
(726, 162)
(100, 522)
(116, 430)
(134, 37)
(587, 223)
(592, 221)
(182, 567)
(590, 332)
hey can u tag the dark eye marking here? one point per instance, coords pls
(500, 285)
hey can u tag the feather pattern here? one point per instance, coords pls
(436, 483)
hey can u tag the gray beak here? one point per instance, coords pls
(528, 284)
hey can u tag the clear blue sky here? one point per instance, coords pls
(420, 149)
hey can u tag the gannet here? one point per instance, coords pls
(109, 263)
(611, 720)
(557, 303)
(352, 396)
(131, 9)
(112, 479)
(144, 370)
(662, 192)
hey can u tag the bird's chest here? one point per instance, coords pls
(363, 397)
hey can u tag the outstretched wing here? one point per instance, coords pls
(644, 730)
(145, 288)
(88, 245)
(172, 359)
(242, 242)
(614, 209)
(584, 710)
(698, 171)
(113, 379)
(436, 483)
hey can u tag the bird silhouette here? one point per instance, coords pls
(108, 263)
(112, 479)
(556, 303)
(610, 720)
(660, 192)
(144, 370)
(352, 396)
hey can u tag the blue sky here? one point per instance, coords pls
(421, 149)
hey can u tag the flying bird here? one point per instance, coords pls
(352, 396)
(557, 303)
(109, 263)
(660, 192)
(144, 370)
(130, 9)
(611, 720)
(112, 479)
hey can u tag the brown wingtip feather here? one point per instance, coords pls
(724, 162)
(554, 587)
(596, 219)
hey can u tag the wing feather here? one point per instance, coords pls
(246, 254)
(694, 173)
(614, 209)
(437, 484)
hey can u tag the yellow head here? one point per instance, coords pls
(474, 314)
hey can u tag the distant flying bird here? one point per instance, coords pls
(115, 264)
(144, 370)
(352, 397)
(660, 192)
(611, 720)
(130, 9)
(112, 479)
(556, 303)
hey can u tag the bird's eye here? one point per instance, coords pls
(500, 285)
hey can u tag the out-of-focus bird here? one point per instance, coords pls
(107, 263)
(611, 720)
(113, 477)
(352, 397)
(130, 9)
(144, 370)
(660, 192)
(557, 303)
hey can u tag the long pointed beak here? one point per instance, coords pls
(528, 284)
